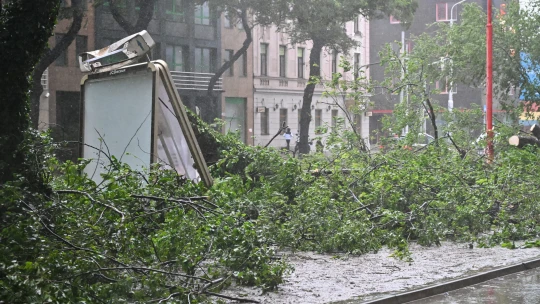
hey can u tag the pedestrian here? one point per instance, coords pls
(288, 136)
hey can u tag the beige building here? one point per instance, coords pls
(281, 71)
(237, 96)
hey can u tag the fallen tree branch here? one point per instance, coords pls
(522, 141)
(535, 130)
(91, 199)
(283, 127)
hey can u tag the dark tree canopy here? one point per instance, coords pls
(25, 27)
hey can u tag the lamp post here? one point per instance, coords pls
(451, 92)
(489, 82)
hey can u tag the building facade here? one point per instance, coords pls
(237, 96)
(281, 72)
(187, 36)
(390, 30)
(60, 101)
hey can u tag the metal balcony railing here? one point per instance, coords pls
(194, 81)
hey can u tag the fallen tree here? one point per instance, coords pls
(521, 141)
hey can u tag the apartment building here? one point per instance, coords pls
(188, 38)
(390, 30)
(280, 75)
(237, 96)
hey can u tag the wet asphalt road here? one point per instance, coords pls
(522, 288)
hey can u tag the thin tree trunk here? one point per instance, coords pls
(237, 54)
(305, 112)
(49, 56)
(432, 118)
(146, 12)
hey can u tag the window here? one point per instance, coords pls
(156, 51)
(264, 59)
(226, 21)
(283, 118)
(175, 7)
(228, 57)
(318, 118)
(264, 122)
(393, 20)
(334, 118)
(175, 56)
(442, 12)
(282, 60)
(334, 61)
(244, 64)
(356, 64)
(174, 10)
(204, 60)
(202, 14)
(67, 125)
(62, 60)
(356, 25)
(81, 45)
(300, 54)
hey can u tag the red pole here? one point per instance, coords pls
(489, 83)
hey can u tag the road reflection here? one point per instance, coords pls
(522, 288)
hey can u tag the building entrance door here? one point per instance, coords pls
(235, 116)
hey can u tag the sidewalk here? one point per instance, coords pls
(325, 278)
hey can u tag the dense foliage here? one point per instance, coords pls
(133, 237)
(156, 237)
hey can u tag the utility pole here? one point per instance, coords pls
(489, 82)
(402, 91)
(451, 92)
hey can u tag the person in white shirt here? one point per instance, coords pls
(288, 136)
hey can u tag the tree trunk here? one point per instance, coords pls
(146, 12)
(535, 129)
(305, 112)
(25, 27)
(242, 50)
(432, 118)
(521, 141)
(49, 56)
(211, 104)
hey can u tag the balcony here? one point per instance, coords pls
(194, 81)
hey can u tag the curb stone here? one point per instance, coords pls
(455, 284)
